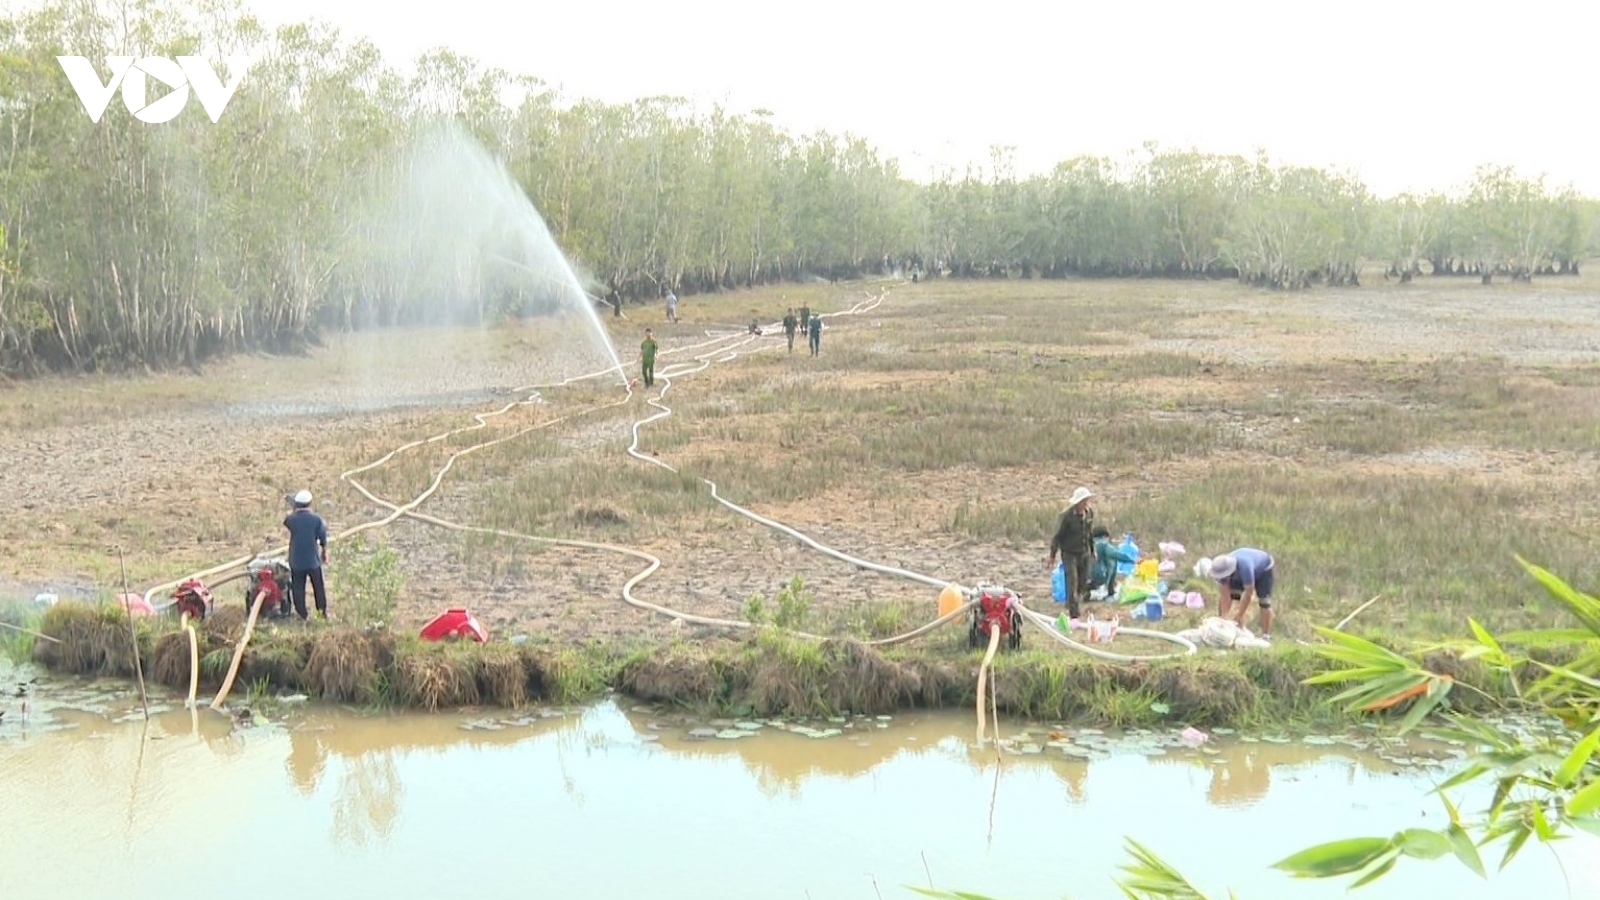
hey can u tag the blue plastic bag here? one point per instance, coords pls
(1058, 583)
(1129, 549)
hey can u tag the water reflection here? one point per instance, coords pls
(360, 800)
(368, 803)
(1240, 779)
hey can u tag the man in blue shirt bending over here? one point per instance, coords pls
(1244, 573)
(308, 553)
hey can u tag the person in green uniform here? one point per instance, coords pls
(790, 322)
(1074, 542)
(647, 358)
(1106, 557)
(805, 319)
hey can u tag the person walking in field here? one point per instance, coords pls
(1244, 574)
(1074, 542)
(672, 307)
(790, 322)
(308, 553)
(805, 319)
(816, 336)
(647, 358)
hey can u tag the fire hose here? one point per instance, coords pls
(723, 350)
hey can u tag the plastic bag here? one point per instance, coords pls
(1225, 634)
(1130, 550)
(1058, 583)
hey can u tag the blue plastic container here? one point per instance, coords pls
(1153, 609)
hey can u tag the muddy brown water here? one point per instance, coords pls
(618, 801)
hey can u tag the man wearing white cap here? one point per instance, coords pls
(308, 553)
(1242, 574)
(1073, 541)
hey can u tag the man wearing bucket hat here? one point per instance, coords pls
(1074, 542)
(1242, 574)
(308, 553)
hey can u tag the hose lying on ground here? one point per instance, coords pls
(653, 563)
(481, 421)
(723, 353)
(1046, 624)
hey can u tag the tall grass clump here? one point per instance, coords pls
(94, 639)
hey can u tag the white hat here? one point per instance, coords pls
(303, 498)
(1223, 566)
(1078, 496)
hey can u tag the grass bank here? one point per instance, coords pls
(770, 673)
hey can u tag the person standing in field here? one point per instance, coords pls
(672, 307)
(647, 358)
(1243, 574)
(805, 319)
(1074, 542)
(790, 322)
(308, 553)
(816, 336)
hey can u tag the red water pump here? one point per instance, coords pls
(455, 623)
(269, 575)
(192, 597)
(995, 606)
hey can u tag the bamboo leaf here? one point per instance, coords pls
(1335, 858)
(1568, 674)
(1485, 638)
(1450, 809)
(1584, 607)
(1385, 864)
(1338, 675)
(1153, 876)
(1420, 843)
(1502, 792)
(1470, 773)
(1464, 849)
(1519, 836)
(1348, 647)
(1585, 801)
(1573, 765)
(1541, 824)
(1424, 705)
(1547, 637)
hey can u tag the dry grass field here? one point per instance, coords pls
(1406, 441)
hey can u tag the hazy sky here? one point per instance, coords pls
(1412, 94)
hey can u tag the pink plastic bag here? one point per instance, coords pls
(1196, 601)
